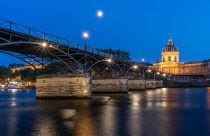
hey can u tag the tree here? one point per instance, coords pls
(120, 54)
(4, 72)
(28, 74)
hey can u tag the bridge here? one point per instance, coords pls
(29, 45)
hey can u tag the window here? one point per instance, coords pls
(164, 59)
(175, 59)
(169, 58)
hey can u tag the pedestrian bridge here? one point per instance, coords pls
(29, 45)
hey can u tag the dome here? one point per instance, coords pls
(170, 47)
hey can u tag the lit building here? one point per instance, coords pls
(18, 67)
(170, 63)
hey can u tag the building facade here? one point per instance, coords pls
(170, 63)
(18, 67)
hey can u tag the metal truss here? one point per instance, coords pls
(25, 44)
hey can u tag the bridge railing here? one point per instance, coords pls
(24, 30)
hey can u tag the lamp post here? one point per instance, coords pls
(85, 36)
(44, 45)
(135, 67)
(157, 73)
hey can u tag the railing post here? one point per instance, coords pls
(29, 31)
(10, 26)
(85, 47)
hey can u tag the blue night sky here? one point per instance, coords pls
(141, 27)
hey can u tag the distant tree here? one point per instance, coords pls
(120, 54)
(4, 72)
(28, 74)
(14, 74)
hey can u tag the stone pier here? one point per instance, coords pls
(136, 84)
(64, 86)
(159, 84)
(150, 84)
(110, 86)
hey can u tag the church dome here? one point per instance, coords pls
(170, 47)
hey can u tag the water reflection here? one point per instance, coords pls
(159, 112)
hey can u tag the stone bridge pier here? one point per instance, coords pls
(83, 85)
(64, 86)
(114, 85)
(136, 84)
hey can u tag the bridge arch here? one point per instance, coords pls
(18, 57)
(25, 56)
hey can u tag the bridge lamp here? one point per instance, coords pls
(100, 14)
(85, 35)
(44, 44)
(135, 67)
(109, 60)
(149, 71)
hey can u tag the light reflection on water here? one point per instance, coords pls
(159, 112)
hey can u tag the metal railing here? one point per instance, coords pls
(49, 37)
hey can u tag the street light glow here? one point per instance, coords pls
(44, 44)
(149, 71)
(85, 35)
(142, 59)
(158, 73)
(164, 75)
(109, 60)
(100, 14)
(135, 67)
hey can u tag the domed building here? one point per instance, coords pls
(170, 52)
(170, 63)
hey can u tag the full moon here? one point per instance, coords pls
(100, 13)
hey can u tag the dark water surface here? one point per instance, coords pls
(159, 112)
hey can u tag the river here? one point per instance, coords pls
(158, 112)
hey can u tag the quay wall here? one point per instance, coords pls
(190, 83)
(136, 84)
(110, 85)
(159, 84)
(150, 84)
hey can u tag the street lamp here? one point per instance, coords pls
(142, 59)
(44, 44)
(109, 60)
(164, 75)
(85, 36)
(149, 71)
(135, 67)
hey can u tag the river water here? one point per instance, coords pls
(158, 112)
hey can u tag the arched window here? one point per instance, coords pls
(164, 59)
(169, 58)
(175, 59)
